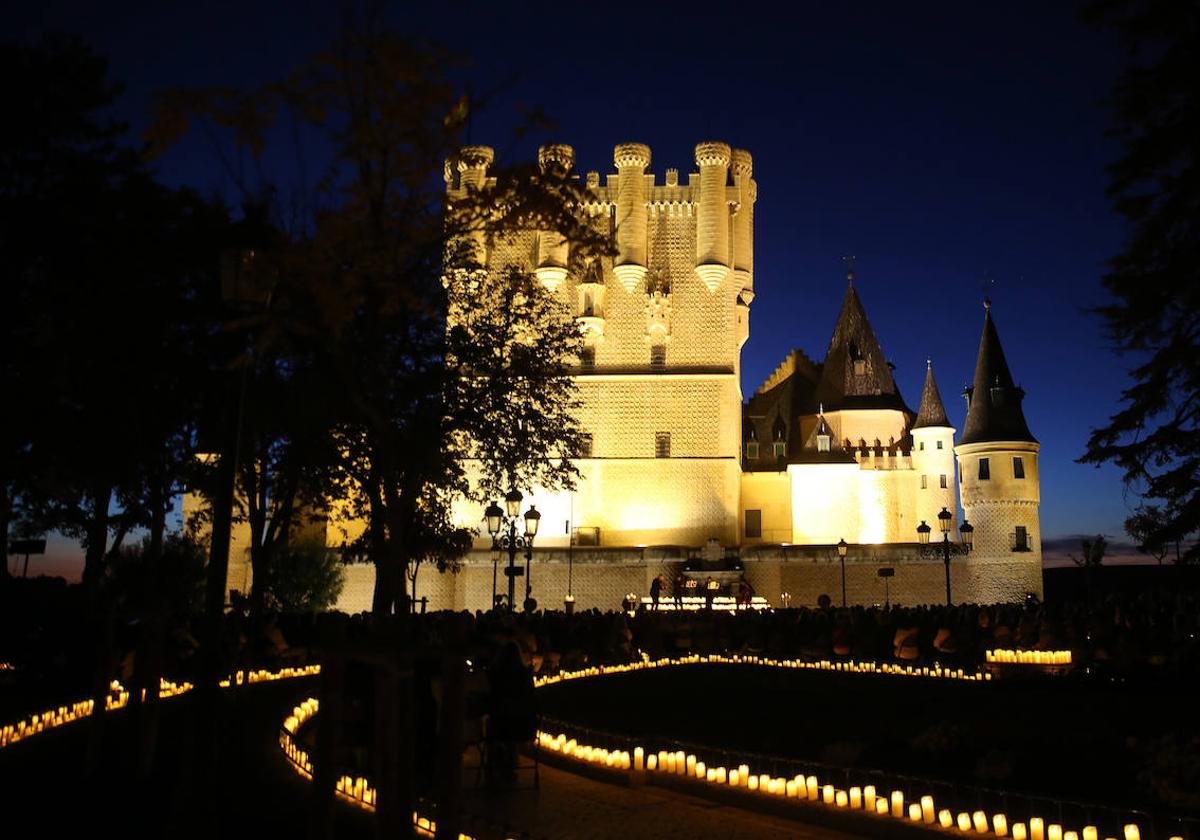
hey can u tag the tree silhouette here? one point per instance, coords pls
(1155, 292)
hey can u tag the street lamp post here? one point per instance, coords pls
(842, 548)
(502, 525)
(946, 548)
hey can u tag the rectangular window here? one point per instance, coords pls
(1018, 467)
(921, 446)
(752, 450)
(585, 445)
(985, 470)
(942, 482)
(924, 482)
(662, 444)
(587, 359)
(754, 524)
(823, 443)
(658, 356)
(1021, 539)
(939, 443)
(780, 446)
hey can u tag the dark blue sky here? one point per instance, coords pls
(941, 143)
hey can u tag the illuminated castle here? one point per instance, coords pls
(679, 475)
(822, 451)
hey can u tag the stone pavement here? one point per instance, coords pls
(571, 806)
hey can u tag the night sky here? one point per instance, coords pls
(945, 145)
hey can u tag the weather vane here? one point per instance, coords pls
(985, 288)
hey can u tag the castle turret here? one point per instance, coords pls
(998, 463)
(933, 454)
(473, 163)
(712, 214)
(743, 222)
(553, 253)
(629, 266)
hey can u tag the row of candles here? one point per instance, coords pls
(809, 789)
(118, 698)
(356, 790)
(1029, 657)
(934, 671)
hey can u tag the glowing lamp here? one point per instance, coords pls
(842, 548)
(493, 515)
(967, 531)
(512, 503)
(923, 531)
(532, 518)
(944, 518)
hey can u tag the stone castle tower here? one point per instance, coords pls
(663, 324)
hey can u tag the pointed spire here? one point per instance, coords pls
(856, 374)
(993, 400)
(931, 412)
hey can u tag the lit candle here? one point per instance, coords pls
(1070, 835)
(827, 794)
(869, 797)
(753, 784)
(914, 812)
(897, 804)
(1036, 829)
(670, 762)
(810, 788)
(881, 806)
(662, 761)
(1018, 831)
(1000, 825)
(734, 781)
(1090, 833)
(945, 818)
(679, 762)
(981, 822)
(964, 821)
(1132, 833)
(842, 799)
(652, 763)
(791, 789)
(1054, 832)
(639, 759)
(855, 798)
(691, 765)
(700, 770)
(927, 808)
(720, 775)
(710, 775)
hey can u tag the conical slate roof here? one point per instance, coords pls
(931, 412)
(994, 400)
(842, 385)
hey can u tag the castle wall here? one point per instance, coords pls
(600, 579)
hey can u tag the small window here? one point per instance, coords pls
(662, 444)
(822, 443)
(780, 446)
(589, 304)
(754, 524)
(585, 445)
(1021, 539)
(939, 443)
(921, 446)
(860, 367)
(752, 450)
(942, 482)
(985, 470)
(924, 482)
(1018, 467)
(587, 359)
(658, 356)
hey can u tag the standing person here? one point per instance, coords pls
(710, 591)
(655, 591)
(677, 591)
